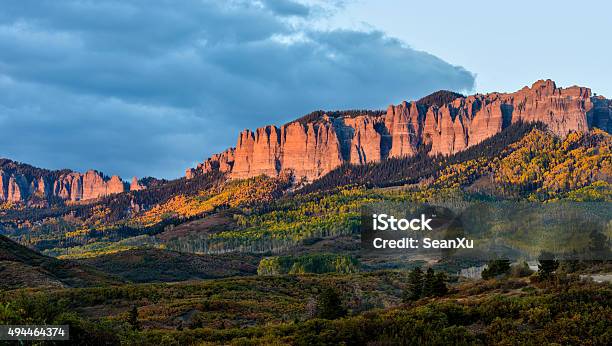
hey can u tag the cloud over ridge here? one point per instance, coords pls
(141, 87)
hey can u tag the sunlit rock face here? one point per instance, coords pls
(75, 186)
(36, 186)
(312, 149)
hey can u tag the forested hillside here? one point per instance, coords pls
(394, 172)
(266, 214)
(22, 267)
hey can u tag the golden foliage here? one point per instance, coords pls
(232, 194)
(550, 165)
(543, 165)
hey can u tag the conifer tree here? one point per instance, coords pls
(133, 318)
(599, 245)
(440, 288)
(429, 283)
(547, 264)
(414, 289)
(330, 305)
(496, 267)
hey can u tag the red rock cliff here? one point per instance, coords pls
(16, 186)
(313, 149)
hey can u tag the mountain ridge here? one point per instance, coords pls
(318, 143)
(314, 145)
(20, 182)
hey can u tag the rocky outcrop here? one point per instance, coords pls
(313, 148)
(75, 186)
(135, 185)
(223, 162)
(364, 137)
(24, 183)
(308, 150)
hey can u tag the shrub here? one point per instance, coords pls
(495, 268)
(520, 270)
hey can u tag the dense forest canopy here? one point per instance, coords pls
(439, 98)
(31, 172)
(351, 113)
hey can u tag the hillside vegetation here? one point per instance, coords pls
(155, 265)
(22, 267)
(286, 310)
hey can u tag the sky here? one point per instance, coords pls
(149, 88)
(507, 46)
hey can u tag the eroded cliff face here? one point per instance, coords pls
(75, 186)
(308, 149)
(313, 149)
(37, 188)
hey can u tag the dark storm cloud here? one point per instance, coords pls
(150, 87)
